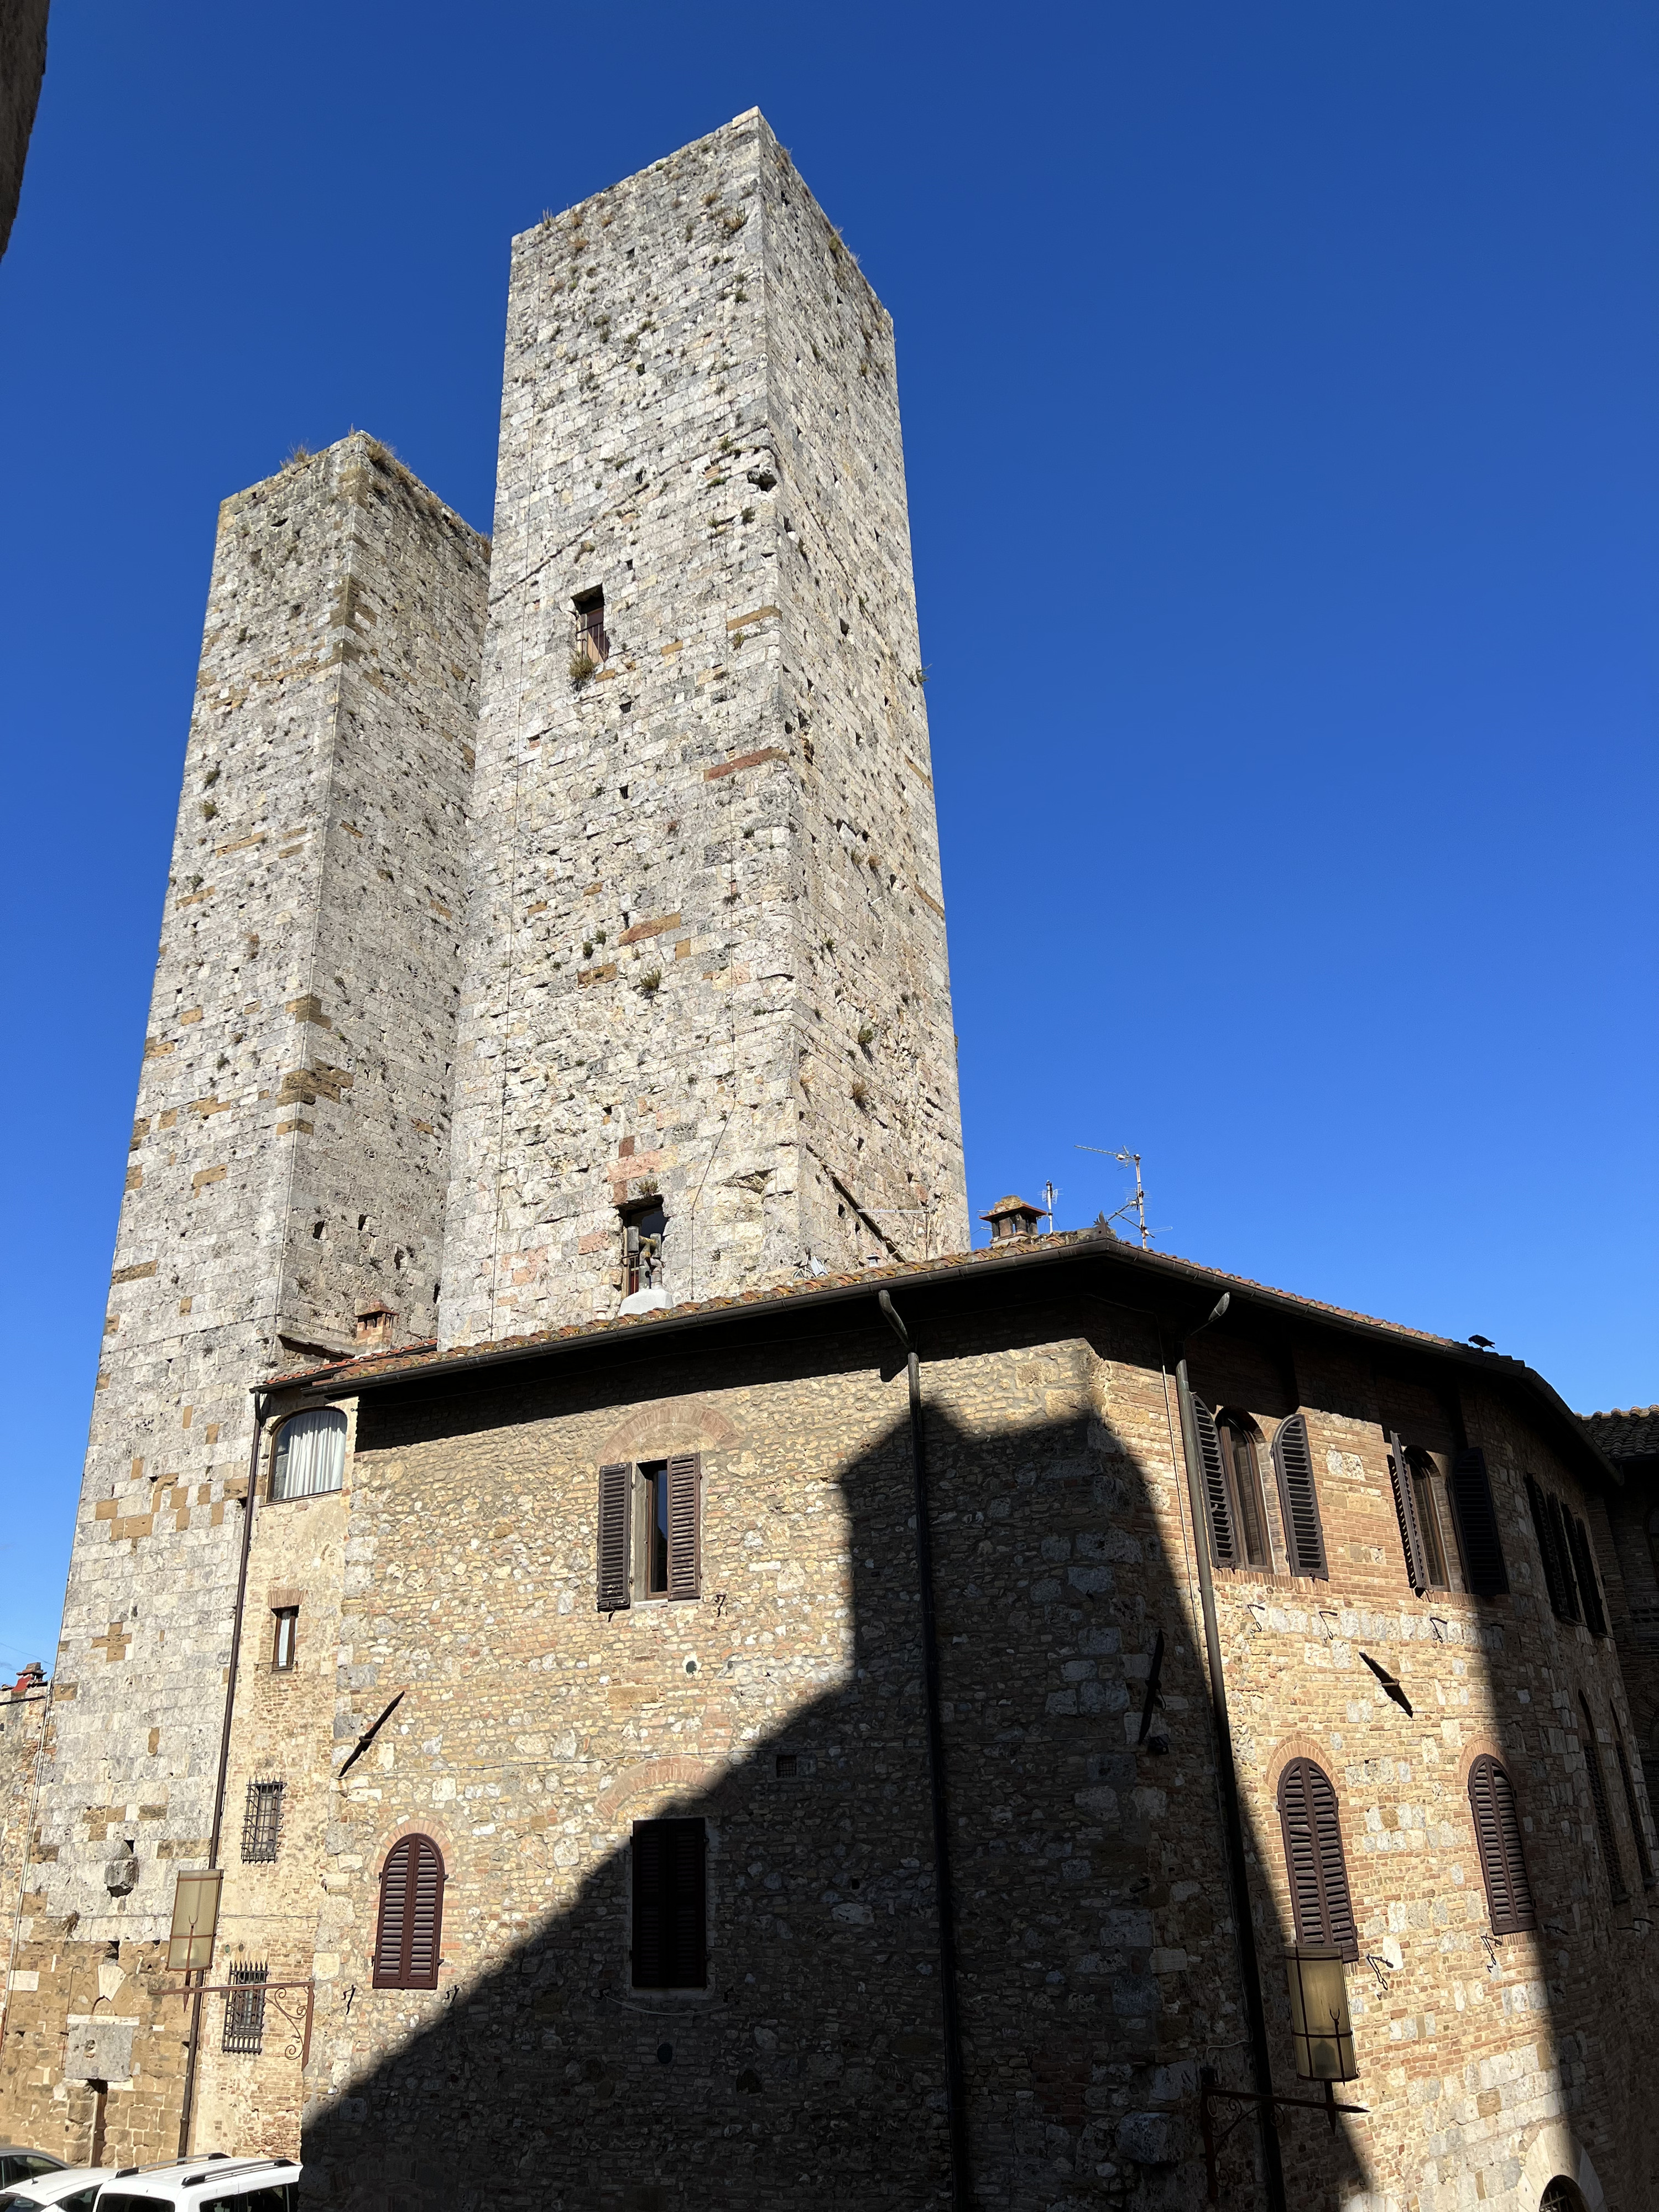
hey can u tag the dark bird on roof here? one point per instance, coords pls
(1482, 1343)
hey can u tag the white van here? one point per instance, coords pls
(216, 2184)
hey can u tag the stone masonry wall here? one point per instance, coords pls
(289, 1158)
(1098, 1970)
(705, 950)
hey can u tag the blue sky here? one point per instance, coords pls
(1278, 387)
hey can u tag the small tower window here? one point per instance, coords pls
(285, 1638)
(592, 637)
(644, 1226)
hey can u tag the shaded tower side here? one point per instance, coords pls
(289, 1158)
(684, 987)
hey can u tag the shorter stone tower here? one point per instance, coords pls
(706, 997)
(290, 1154)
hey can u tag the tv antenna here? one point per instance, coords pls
(1137, 1205)
(1051, 1191)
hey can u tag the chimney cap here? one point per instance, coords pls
(375, 1309)
(1014, 1205)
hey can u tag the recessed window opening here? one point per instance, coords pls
(1242, 1466)
(1425, 1489)
(670, 1935)
(310, 1456)
(245, 2013)
(592, 637)
(644, 1230)
(651, 1494)
(262, 1823)
(285, 1636)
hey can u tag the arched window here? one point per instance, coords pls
(310, 1455)
(1313, 1859)
(1497, 1838)
(411, 1921)
(1243, 1463)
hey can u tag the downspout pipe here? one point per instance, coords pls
(955, 2095)
(1227, 1777)
(261, 1400)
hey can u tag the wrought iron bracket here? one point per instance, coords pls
(1209, 2088)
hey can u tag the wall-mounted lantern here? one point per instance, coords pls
(195, 1923)
(1320, 2028)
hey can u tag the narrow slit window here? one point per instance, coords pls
(592, 637)
(284, 1638)
(670, 1938)
(262, 1822)
(1425, 1482)
(651, 1495)
(1236, 1436)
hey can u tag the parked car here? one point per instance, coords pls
(17, 2164)
(64, 2188)
(217, 2182)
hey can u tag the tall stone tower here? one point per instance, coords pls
(706, 988)
(289, 1156)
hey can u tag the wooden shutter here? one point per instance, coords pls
(671, 1914)
(1405, 1507)
(1477, 1524)
(1298, 1500)
(1564, 1568)
(616, 1538)
(1223, 1540)
(411, 1929)
(1583, 1561)
(1598, 1787)
(684, 1479)
(1497, 1839)
(1644, 1856)
(1554, 1586)
(1313, 1858)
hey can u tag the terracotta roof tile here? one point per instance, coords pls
(1633, 1433)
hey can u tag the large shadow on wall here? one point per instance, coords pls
(1098, 1969)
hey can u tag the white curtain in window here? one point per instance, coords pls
(310, 1456)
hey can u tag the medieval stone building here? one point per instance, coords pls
(610, 1660)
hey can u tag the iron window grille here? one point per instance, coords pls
(262, 1822)
(245, 2009)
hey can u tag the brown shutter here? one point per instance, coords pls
(1644, 1856)
(1567, 1580)
(1545, 1534)
(426, 1914)
(1583, 1561)
(1405, 1507)
(1313, 1858)
(1298, 1499)
(1223, 1542)
(391, 1935)
(685, 1525)
(1477, 1524)
(1497, 1839)
(1598, 1787)
(615, 1533)
(411, 1926)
